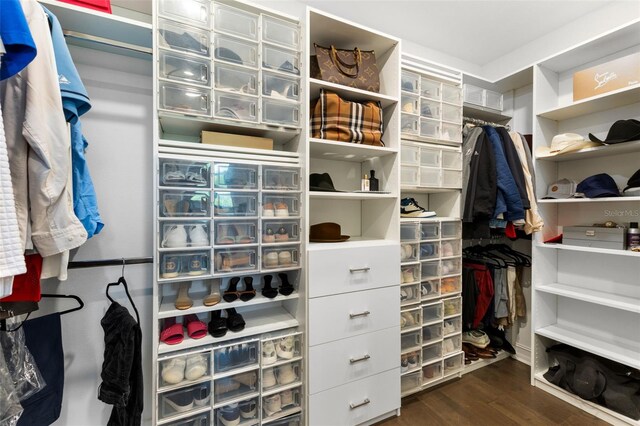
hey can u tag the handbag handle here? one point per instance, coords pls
(357, 55)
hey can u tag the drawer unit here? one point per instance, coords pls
(431, 333)
(432, 313)
(295, 420)
(451, 160)
(473, 95)
(409, 154)
(409, 252)
(430, 289)
(235, 21)
(429, 157)
(493, 100)
(452, 179)
(232, 232)
(410, 341)
(280, 205)
(410, 103)
(452, 326)
(451, 266)
(352, 269)
(281, 32)
(235, 176)
(182, 401)
(451, 132)
(409, 382)
(236, 79)
(235, 51)
(410, 124)
(231, 260)
(183, 38)
(349, 360)
(450, 248)
(182, 370)
(409, 176)
(184, 234)
(236, 107)
(281, 375)
(429, 250)
(285, 231)
(451, 94)
(185, 99)
(430, 269)
(282, 348)
(192, 12)
(429, 128)
(347, 315)
(431, 352)
(236, 386)
(453, 364)
(409, 231)
(430, 177)
(184, 173)
(284, 113)
(452, 306)
(451, 229)
(280, 59)
(176, 203)
(274, 405)
(410, 274)
(199, 420)
(281, 87)
(280, 178)
(430, 89)
(280, 257)
(410, 294)
(451, 113)
(410, 318)
(450, 285)
(432, 372)
(410, 82)
(356, 402)
(184, 69)
(236, 356)
(235, 204)
(451, 344)
(429, 231)
(249, 412)
(429, 109)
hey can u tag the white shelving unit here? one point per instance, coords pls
(354, 309)
(585, 297)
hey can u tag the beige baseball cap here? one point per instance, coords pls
(564, 188)
(564, 143)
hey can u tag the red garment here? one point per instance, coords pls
(484, 282)
(26, 287)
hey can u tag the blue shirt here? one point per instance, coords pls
(16, 37)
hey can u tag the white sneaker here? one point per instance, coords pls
(448, 346)
(173, 370)
(286, 374)
(272, 404)
(268, 353)
(286, 397)
(176, 236)
(284, 348)
(408, 319)
(268, 378)
(410, 208)
(449, 327)
(196, 367)
(198, 236)
(476, 338)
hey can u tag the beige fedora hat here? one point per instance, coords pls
(564, 143)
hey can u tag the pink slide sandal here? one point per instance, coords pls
(173, 333)
(196, 329)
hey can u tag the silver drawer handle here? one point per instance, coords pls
(361, 314)
(363, 358)
(354, 270)
(354, 406)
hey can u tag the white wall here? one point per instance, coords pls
(118, 129)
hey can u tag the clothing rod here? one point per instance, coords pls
(107, 42)
(479, 122)
(109, 262)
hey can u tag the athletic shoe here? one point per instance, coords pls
(404, 364)
(248, 409)
(180, 401)
(284, 348)
(286, 374)
(272, 404)
(201, 396)
(229, 415)
(286, 397)
(196, 367)
(176, 236)
(198, 236)
(412, 361)
(268, 378)
(268, 353)
(410, 208)
(476, 338)
(173, 370)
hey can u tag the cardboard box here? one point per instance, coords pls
(242, 141)
(593, 236)
(603, 78)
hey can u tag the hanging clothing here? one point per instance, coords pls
(521, 302)
(469, 296)
(515, 166)
(470, 139)
(481, 190)
(485, 291)
(39, 148)
(20, 49)
(501, 298)
(533, 220)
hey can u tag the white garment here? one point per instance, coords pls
(533, 220)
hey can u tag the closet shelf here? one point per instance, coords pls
(606, 101)
(596, 152)
(598, 250)
(484, 113)
(168, 309)
(591, 200)
(257, 322)
(321, 195)
(624, 352)
(428, 190)
(323, 149)
(348, 93)
(281, 414)
(624, 303)
(353, 242)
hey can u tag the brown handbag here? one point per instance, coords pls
(354, 68)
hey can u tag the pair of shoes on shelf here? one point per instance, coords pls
(232, 293)
(282, 348)
(185, 236)
(269, 236)
(282, 375)
(409, 208)
(190, 367)
(275, 403)
(173, 265)
(285, 287)
(218, 325)
(230, 415)
(275, 210)
(183, 401)
(183, 301)
(173, 332)
(477, 338)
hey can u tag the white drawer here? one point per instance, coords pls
(346, 315)
(370, 398)
(352, 269)
(353, 359)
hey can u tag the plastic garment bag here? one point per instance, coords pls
(10, 408)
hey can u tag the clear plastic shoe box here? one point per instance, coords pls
(248, 411)
(431, 333)
(278, 404)
(279, 86)
(231, 260)
(235, 176)
(432, 313)
(282, 60)
(235, 204)
(236, 356)
(280, 112)
(192, 12)
(431, 352)
(185, 99)
(184, 400)
(410, 82)
(280, 205)
(184, 264)
(409, 294)
(236, 386)
(280, 232)
(236, 107)
(184, 69)
(184, 369)
(280, 178)
(174, 235)
(432, 372)
(234, 21)
(281, 32)
(280, 257)
(235, 51)
(175, 36)
(176, 203)
(236, 79)
(233, 232)
(184, 173)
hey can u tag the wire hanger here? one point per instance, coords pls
(122, 281)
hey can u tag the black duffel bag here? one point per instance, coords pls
(595, 379)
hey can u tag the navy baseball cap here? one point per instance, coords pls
(596, 186)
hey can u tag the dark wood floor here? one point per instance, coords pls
(499, 394)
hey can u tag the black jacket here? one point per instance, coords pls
(480, 199)
(515, 165)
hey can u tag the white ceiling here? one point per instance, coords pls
(476, 31)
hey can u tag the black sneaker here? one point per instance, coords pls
(410, 208)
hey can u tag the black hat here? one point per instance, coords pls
(321, 182)
(634, 181)
(621, 131)
(600, 185)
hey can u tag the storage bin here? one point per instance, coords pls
(235, 51)
(431, 333)
(450, 248)
(274, 405)
(410, 104)
(452, 326)
(493, 100)
(183, 400)
(280, 205)
(452, 306)
(281, 87)
(295, 420)
(430, 177)
(451, 113)
(429, 157)
(199, 420)
(280, 32)
(431, 352)
(429, 128)
(432, 372)
(451, 266)
(280, 257)
(451, 344)
(472, 94)
(410, 82)
(451, 179)
(429, 88)
(409, 294)
(451, 160)
(430, 269)
(410, 274)
(185, 99)
(410, 341)
(453, 364)
(281, 348)
(235, 233)
(409, 124)
(235, 176)
(432, 313)
(451, 132)
(183, 38)
(235, 21)
(280, 231)
(285, 113)
(429, 231)
(235, 204)
(238, 355)
(280, 178)
(451, 94)
(192, 12)
(410, 382)
(175, 203)
(430, 289)
(235, 260)
(235, 386)
(281, 375)
(409, 231)
(236, 79)
(451, 229)
(280, 59)
(409, 154)
(236, 107)
(249, 412)
(184, 173)
(184, 234)
(183, 369)
(184, 69)
(429, 109)
(429, 250)
(409, 252)
(409, 176)
(410, 319)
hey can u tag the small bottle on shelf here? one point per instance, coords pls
(364, 184)
(633, 237)
(374, 183)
